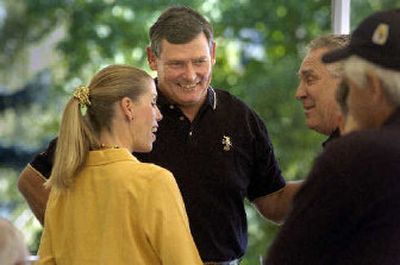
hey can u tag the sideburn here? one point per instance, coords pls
(342, 95)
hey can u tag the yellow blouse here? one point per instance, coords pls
(118, 211)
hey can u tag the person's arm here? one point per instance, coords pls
(31, 185)
(276, 206)
(166, 223)
(268, 190)
(32, 178)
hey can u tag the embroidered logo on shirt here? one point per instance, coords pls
(226, 141)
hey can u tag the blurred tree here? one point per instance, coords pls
(259, 49)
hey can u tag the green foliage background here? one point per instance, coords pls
(259, 48)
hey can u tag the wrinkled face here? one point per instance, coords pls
(317, 91)
(145, 120)
(184, 70)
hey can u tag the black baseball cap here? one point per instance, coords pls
(376, 39)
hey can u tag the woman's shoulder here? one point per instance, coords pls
(151, 172)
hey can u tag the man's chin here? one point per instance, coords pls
(313, 126)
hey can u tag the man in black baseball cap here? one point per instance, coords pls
(348, 210)
(373, 54)
(376, 39)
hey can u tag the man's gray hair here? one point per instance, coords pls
(356, 69)
(330, 42)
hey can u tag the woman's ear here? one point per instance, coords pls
(127, 107)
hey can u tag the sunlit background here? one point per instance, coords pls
(48, 47)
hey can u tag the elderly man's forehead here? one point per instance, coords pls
(313, 58)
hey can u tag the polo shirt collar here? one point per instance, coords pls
(108, 156)
(334, 135)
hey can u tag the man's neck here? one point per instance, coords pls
(191, 111)
(334, 135)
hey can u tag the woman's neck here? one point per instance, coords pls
(108, 139)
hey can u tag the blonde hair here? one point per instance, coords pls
(13, 249)
(80, 133)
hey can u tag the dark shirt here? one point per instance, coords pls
(218, 160)
(334, 135)
(348, 211)
(43, 162)
(214, 176)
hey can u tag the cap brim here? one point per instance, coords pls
(337, 55)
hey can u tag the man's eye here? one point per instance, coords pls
(311, 79)
(176, 64)
(199, 62)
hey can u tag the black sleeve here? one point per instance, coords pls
(266, 177)
(43, 162)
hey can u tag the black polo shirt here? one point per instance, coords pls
(220, 158)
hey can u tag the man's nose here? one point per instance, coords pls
(301, 92)
(159, 116)
(190, 72)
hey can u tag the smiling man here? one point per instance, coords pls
(318, 85)
(216, 146)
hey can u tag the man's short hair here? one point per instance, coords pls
(330, 41)
(179, 25)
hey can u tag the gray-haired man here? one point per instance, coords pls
(318, 86)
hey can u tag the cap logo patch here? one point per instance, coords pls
(381, 34)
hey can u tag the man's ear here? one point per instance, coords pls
(213, 52)
(127, 107)
(151, 59)
(374, 85)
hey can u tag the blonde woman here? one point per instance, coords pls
(106, 207)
